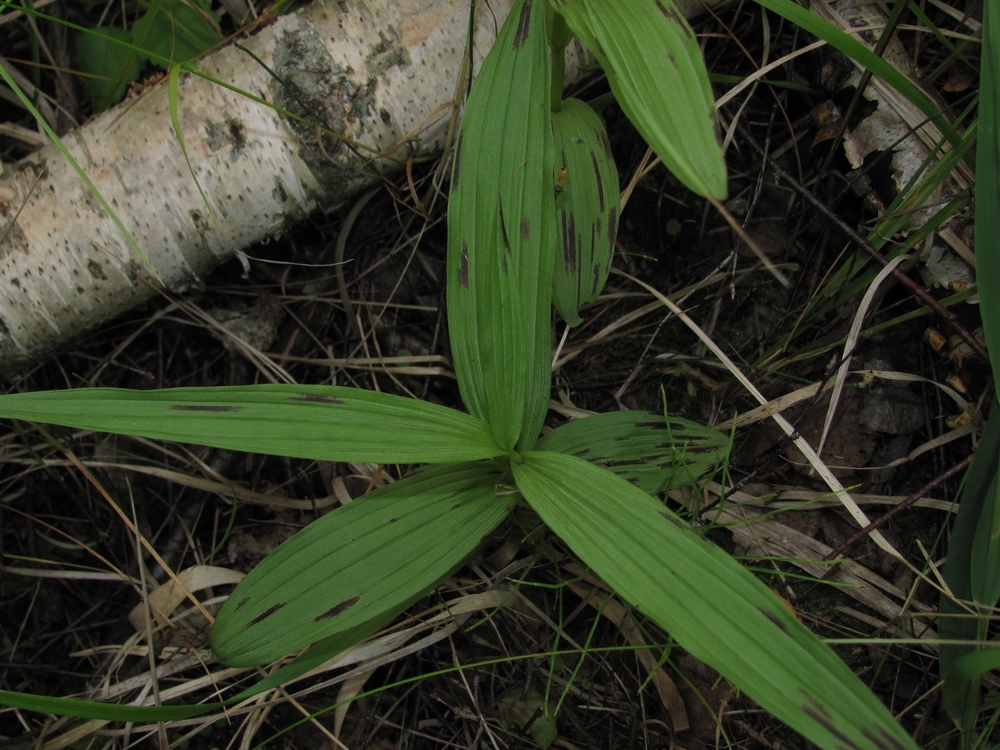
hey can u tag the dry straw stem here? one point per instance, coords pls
(914, 118)
(596, 595)
(850, 344)
(741, 515)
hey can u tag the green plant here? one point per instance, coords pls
(170, 29)
(520, 208)
(972, 571)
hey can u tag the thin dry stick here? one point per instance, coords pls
(878, 523)
(918, 291)
(345, 231)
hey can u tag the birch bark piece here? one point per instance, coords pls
(373, 70)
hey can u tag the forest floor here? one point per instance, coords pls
(66, 629)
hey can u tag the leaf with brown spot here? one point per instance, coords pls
(713, 607)
(671, 105)
(502, 235)
(325, 423)
(367, 558)
(631, 444)
(583, 206)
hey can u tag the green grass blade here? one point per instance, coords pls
(988, 187)
(501, 234)
(653, 453)
(325, 423)
(85, 709)
(173, 99)
(371, 556)
(715, 608)
(178, 29)
(972, 572)
(586, 207)
(657, 73)
(91, 187)
(110, 66)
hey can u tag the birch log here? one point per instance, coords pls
(374, 70)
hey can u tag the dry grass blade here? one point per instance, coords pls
(850, 344)
(831, 481)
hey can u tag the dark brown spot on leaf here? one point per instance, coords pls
(819, 713)
(661, 425)
(525, 229)
(463, 266)
(457, 166)
(774, 619)
(571, 248)
(270, 611)
(203, 407)
(581, 453)
(337, 609)
(317, 398)
(884, 741)
(503, 231)
(523, 24)
(602, 137)
(628, 462)
(672, 15)
(243, 601)
(600, 182)
(612, 226)
(673, 519)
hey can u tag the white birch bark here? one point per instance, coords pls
(374, 70)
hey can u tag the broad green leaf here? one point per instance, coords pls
(326, 423)
(586, 208)
(715, 608)
(501, 234)
(347, 569)
(110, 65)
(973, 572)
(658, 76)
(960, 695)
(988, 186)
(177, 29)
(653, 453)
